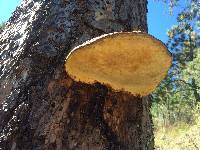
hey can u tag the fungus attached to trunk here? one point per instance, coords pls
(131, 61)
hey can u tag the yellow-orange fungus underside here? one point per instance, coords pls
(129, 61)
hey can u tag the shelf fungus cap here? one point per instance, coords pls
(130, 61)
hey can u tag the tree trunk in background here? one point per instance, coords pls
(40, 106)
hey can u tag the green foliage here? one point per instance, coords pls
(2, 25)
(178, 96)
(177, 3)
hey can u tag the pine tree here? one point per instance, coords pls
(179, 94)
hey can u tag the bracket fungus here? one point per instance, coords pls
(131, 61)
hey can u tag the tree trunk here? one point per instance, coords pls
(40, 106)
(195, 91)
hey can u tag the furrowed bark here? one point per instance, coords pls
(40, 106)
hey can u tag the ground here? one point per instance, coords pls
(179, 137)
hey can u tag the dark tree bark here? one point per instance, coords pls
(195, 91)
(40, 106)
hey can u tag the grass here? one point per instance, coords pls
(178, 137)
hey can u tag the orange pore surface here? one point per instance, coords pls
(134, 62)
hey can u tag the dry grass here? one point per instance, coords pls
(181, 137)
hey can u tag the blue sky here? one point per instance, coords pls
(159, 19)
